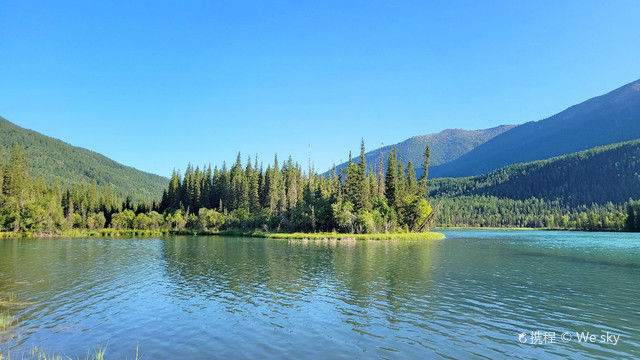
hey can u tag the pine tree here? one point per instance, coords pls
(207, 188)
(425, 169)
(412, 182)
(363, 201)
(226, 194)
(291, 184)
(391, 183)
(352, 183)
(380, 174)
(15, 186)
(253, 183)
(1, 175)
(92, 197)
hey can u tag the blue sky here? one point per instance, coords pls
(158, 84)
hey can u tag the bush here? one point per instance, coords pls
(123, 220)
(96, 221)
(364, 223)
(142, 222)
(415, 211)
(77, 222)
(210, 219)
(343, 214)
(193, 222)
(175, 220)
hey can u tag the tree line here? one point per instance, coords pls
(283, 197)
(491, 211)
(595, 176)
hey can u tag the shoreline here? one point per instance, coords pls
(430, 235)
(120, 233)
(491, 228)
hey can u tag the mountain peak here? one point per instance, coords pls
(602, 120)
(445, 145)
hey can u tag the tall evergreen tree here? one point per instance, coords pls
(15, 187)
(391, 183)
(254, 187)
(425, 171)
(412, 182)
(363, 201)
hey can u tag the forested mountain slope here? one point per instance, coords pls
(55, 160)
(603, 174)
(607, 119)
(445, 146)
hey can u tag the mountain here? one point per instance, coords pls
(603, 174)
(610, 118)
(55, 160)
(445, 146)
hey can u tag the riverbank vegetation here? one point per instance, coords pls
(385, 197)
(428, 235)
(493, 212)
(5, 321)
(280, 198)
(283, 197)
(40, 354)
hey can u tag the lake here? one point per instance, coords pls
(494, 294)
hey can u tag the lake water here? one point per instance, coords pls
(468, 296)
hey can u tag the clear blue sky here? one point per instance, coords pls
(158, 84)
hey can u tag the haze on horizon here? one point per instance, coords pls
(156, 87)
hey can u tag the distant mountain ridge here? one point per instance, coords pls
(445, 146)
(610, 118)
(55, 160)
(599, 175)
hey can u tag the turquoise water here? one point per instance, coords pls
(468, 296)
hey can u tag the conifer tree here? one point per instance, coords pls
(425, 171)
(391, 184)
(253, 183)
(412, 182)
(380, 173)
(363, 201)
(1, 174)
(15, 187)
(352, 183)
(92, 197)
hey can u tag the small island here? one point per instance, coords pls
(279, 201)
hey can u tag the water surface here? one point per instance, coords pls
(468, 296)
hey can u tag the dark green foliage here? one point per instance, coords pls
(412, 183)
(29, 205)
(600, 175)
(489, 211)
(425, 171)
(392, 180)
(283, 197)
(56, 161)
(633, 216)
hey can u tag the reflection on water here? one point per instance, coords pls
(198, 297)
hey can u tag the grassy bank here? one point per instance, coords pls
(332, 236)
(255, 234)
(76, 233)
(486, 228)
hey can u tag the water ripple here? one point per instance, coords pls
(185, 297)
